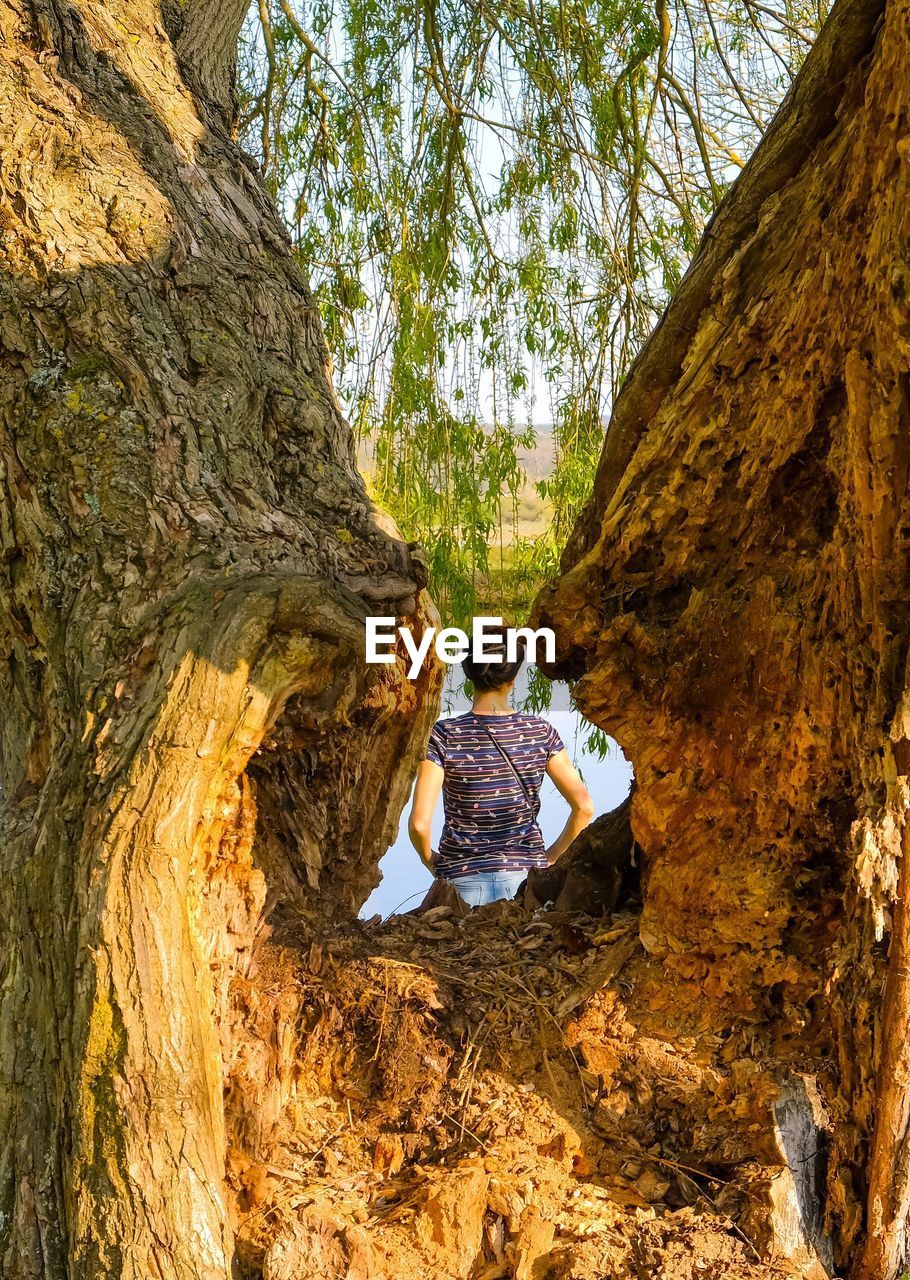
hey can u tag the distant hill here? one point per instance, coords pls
(538, 462)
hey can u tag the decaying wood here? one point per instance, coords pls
(188, 554)
(735, 599)
(501, 1092)
(806, 116)
(593, 872)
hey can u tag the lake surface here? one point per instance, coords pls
(405, 879)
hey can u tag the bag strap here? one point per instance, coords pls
(535, 809)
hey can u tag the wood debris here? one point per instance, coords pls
(493, 1094)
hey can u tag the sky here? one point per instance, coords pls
(405, 880)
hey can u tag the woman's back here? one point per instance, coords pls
(491, 818)
(490, 764)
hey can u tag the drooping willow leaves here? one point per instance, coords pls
(494, 200)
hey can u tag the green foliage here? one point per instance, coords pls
(494, 200)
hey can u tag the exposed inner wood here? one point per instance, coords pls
(735, 602)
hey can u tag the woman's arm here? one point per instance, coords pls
(420, 822)
(569, 784)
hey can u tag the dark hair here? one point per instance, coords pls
(494, 672)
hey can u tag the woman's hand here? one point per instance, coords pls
(568, 782)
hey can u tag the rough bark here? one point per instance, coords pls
(188, 554)
(204, 35)
(734, 601)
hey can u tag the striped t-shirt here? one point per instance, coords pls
(489, 825)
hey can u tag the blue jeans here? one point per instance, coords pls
(488, 886)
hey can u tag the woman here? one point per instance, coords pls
(489, 765)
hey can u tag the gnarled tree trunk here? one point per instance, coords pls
(188, 555)
(735, 602)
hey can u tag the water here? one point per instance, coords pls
(405, 879)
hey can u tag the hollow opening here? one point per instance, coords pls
(517, 1090)
(599, 759)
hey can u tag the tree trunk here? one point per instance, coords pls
(188, 554)
(734, 601)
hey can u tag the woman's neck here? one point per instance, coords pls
(493, 702)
